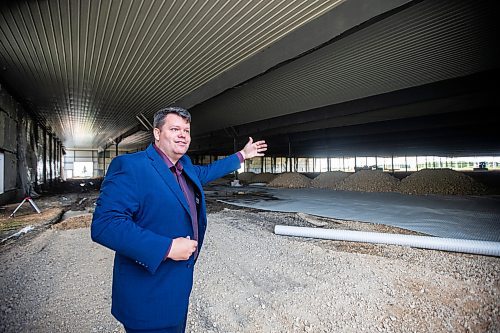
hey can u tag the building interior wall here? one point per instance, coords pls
(31, 153)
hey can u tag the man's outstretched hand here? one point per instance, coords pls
(253, 149)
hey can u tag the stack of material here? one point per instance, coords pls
(290, 180)
(330, 179)
(265, 177)
(369, 181)
(440, 181)
(246, 177)
(426, 181)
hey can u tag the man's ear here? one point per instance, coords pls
(156, 133)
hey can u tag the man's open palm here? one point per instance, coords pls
(253, 149)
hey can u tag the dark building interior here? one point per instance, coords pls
(325, 79)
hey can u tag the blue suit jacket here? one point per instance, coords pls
(141, 208)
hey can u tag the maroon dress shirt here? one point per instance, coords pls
(187, 188)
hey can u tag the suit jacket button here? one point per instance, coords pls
(188, 265)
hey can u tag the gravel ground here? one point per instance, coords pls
(250, 280)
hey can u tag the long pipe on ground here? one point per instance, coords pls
(423, 242)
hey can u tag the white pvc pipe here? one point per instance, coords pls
(424, 242)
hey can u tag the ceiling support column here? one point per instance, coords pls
(104, 163)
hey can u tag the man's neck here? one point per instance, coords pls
(172, 160)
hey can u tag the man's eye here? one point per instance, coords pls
(175, 129)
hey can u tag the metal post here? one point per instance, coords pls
(44, 154)
(289, 153)
(50, 158)
(104, 163)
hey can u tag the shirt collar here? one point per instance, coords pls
(178, 166)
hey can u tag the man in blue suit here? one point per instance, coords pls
(151, 212)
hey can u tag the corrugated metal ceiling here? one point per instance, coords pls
(313, 72)
(87, 68)
(427, 42)
(362, 92)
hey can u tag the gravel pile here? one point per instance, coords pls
(369, 181)
(329, 179)
(426, 181)
(265, 177)
(290, 180)
(250, 280)
(246, 176)
(440, 181)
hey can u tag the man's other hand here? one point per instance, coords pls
(182, 248)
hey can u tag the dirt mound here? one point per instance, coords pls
(330, 179)
(440, 181)
(265, 177)
(81, 221)
(290, 180)
(9, 226)
(369, 181)
(246, 176)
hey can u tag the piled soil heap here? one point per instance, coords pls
(246, 177)
(330, 179)
(369, 181)
(265, 177)
(82, 221)
(290, 180)
(426, 181)
(441, 181)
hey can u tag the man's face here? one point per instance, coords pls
(174, 137)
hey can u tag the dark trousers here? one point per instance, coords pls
(176, 329)
(181, 328)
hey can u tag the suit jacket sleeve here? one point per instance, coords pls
(217, 169)
(113, 225)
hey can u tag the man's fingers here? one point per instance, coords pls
(261, 145)
(182, 248)
(193, 246)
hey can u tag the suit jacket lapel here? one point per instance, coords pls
(167, 176)
(189, 172)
